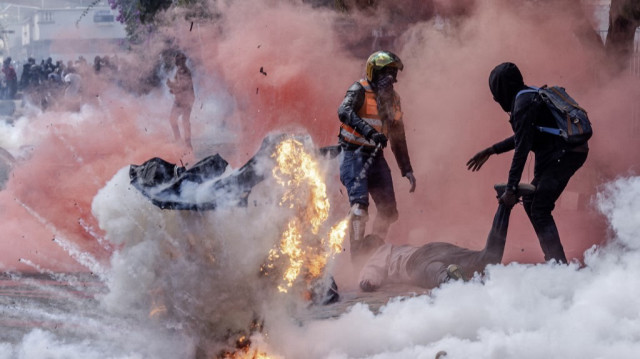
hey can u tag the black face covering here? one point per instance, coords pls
(384, 83)
(505, 81)
(385, 77)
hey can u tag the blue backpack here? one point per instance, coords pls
(572, 120)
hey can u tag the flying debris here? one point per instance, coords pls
(204, 186)
(295, 264)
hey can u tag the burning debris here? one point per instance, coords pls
(294, 261)
(302, 251)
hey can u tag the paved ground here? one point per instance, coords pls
(29, 301)
(65, 305)
(374, 301)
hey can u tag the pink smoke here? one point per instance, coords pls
(49, 195)
(307, 60)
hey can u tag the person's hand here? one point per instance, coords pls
(379, 139)
(367, 286)
(508, 198)
(479, 159)
(412, 181)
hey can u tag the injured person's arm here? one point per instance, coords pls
(374, 272)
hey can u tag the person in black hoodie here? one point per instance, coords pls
(555, 161)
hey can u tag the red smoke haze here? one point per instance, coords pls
(449, 115)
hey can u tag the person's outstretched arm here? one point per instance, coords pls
(375, 270)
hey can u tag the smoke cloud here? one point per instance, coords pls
(281, 66)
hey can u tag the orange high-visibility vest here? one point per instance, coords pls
(369, 113)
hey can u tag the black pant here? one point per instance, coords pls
(497, 238)
(427, 266)
(550, 183)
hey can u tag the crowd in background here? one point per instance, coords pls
(46, 82)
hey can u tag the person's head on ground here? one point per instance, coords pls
(505, 81)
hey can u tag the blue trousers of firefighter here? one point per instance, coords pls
(365, 173)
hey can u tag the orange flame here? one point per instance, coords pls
(247, 354)
(306, 194)
(298, 171)
(337, 235)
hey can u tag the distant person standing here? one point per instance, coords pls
(73, 95)
(182, 89)
(11, 79)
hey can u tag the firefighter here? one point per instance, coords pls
(371, 116)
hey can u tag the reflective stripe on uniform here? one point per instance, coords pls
(369, 114)
(353, 137)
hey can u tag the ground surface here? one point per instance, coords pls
(59, 302)
(374, 300)
(52, 302)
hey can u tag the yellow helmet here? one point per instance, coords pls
(381, 59)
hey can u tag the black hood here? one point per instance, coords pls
(505, 81)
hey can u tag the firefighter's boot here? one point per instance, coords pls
(358, 216)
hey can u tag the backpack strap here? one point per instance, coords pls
(529, 90)
(551, 130)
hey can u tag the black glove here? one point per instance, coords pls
(379, 139)
(479, 159)
(508, 198)
(412, 181)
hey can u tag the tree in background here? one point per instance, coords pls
(624, 19)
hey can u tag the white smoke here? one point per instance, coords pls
(205, 256)
(204, 267)
(517, 311)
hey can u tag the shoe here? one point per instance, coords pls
(454, 272)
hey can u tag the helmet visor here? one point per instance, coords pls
(384, 59)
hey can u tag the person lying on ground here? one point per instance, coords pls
(434, 263)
